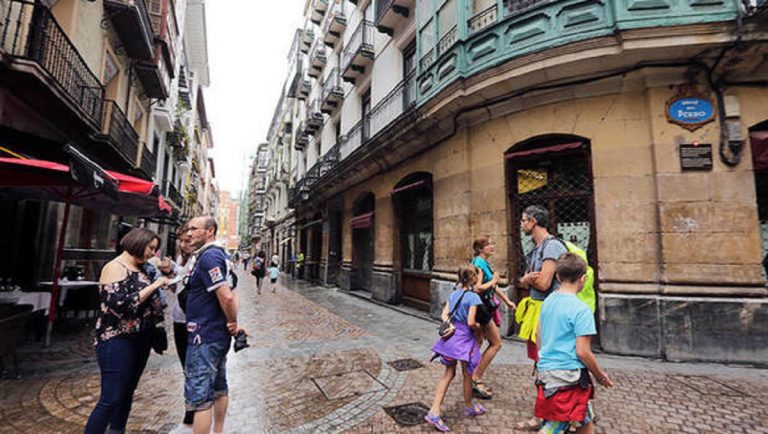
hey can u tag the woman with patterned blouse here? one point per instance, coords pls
(130, 308)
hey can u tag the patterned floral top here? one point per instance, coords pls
(121, 313)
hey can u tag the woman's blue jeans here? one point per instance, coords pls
(121, 361)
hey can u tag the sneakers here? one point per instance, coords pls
(181, 429)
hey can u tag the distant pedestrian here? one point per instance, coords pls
(461, 346)
(246, 258)
(489, 316)
(259, 269)
(276, 259)
(211, 321)
(565, 354)
(274, 271)
(539, 279)
(130, 309)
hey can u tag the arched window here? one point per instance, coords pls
(554, 172)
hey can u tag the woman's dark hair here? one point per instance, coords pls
(467, 275)
(136, 241)
(570, 267)
(262, 254)
(539, 213)
(479, 244)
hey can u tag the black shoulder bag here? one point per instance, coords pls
(446, 327)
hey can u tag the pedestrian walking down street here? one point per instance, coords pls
(565, 354)
(540, 280)
(211, 322)
(246, 258)
(259, 270)
(130, 309)
(274, 271)
(489, 316)
(459, 346)
(185, 261)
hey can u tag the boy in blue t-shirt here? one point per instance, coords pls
(274, 271)
(565, 328)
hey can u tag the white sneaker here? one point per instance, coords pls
(181, 429)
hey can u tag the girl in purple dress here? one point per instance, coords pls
(461, 346)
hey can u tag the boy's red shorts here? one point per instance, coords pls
(569, 404)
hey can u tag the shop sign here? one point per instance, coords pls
(695, 156)
(690, 110)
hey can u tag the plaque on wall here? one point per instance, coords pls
(690, 109)
(695, 156)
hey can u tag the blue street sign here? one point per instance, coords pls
(691, 111)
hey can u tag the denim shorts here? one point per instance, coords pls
(205, 374)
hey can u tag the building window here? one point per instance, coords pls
(365, 106)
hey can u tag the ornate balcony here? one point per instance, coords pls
(358, 54)
(154, 75)
(148, 162)
(317, 59)
(119, 134)
(304, 88)
(319, 7)
(333, 92)
(302, 138)
(37, 54)
(314, 118)
(172, 193)
(335, 25)
(390, 12)
(307, 39)
(132, 24)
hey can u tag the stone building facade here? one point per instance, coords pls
(641, 127)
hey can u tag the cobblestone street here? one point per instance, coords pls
(320, 362)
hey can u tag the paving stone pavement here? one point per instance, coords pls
(318, 362)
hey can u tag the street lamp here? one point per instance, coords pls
(304, 192)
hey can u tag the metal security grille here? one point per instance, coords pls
(557, 177)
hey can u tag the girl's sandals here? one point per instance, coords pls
(474, 410)
(533, 424)
(437, 422)
(481, 390)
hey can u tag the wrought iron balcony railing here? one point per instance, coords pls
(30, 31)
(333, 92)
(335, 24)
(360, 46)
(173, 194)
(148, 163)
(132, 24)
(120, 133)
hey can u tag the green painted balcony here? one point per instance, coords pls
(504, 30)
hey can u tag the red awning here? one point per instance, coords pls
(409, 186)
(545, 150)
(759, 143)
(362, 221)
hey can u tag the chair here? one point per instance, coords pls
(12, 321)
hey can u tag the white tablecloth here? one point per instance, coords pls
(66, 285)
(38, 300)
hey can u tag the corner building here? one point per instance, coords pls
(639, 124)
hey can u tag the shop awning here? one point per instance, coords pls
(362, 221)
(544, 150)
(409, 186)
(759, 142)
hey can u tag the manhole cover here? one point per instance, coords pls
(706, 385)
(410, 414)
(347, 384)
(405, 364)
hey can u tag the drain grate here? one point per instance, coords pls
(348, 384)
(401, 365)
(410, 414)
(707, 385)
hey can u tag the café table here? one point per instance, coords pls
(66, 287)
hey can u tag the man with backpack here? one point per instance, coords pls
(539, 279)
(259, 269)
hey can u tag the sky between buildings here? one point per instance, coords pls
(248, 43)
